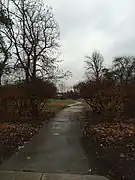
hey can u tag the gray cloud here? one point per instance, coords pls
(126, 47)
(104, 25)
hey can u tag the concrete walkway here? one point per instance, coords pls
(54, 154)
(56, 149)
(41, 176)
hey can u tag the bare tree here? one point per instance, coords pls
(62, 87)
(124, 69)
(5, 66)
(94, 65)
(35, 36)
(5, 45)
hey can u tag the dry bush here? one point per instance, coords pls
(103, 99)
(110, 100)
(129, 100)
(25, 100)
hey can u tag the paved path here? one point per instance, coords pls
(57, 148)
(54, 154)
(42, 176)
(75, 104)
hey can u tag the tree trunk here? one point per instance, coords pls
(0, 79)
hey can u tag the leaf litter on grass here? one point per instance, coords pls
(115, 146)
(14, 134)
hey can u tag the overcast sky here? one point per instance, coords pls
(88, 25)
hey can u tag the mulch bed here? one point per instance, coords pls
(110, 148)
